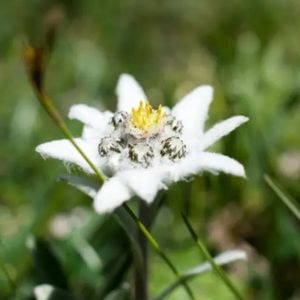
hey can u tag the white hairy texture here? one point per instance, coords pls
(89, 116)
(208, 161)
(65, 151)
(112, 194)
(221, 129)
(144, 183)
(192, 110)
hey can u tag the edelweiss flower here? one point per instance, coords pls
(144, 150)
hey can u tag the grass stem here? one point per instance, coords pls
(288, 201)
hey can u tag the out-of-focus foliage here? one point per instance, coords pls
(249, 50)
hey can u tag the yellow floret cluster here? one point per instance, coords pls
(145, 117)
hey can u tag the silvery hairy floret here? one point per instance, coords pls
(119, 119)
(173, 148)
(141, 154)
(174, 124)
(145, 149)
(110, 145)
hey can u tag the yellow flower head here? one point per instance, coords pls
(145, 118)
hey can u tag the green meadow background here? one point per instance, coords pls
(248, 50)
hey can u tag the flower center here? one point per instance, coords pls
(145, 118)
(143, 138)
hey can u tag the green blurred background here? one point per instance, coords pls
(248, 50)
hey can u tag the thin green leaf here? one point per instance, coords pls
(207, 255)
(287, 200)
(221, 259)
(49, 292)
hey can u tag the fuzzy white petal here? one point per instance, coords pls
(206, 161)
(192, 110)
(112, 194)
(89, 132)
(144, 183)
(89, 115)
(221, 129)
(129, 93)
(65, 151)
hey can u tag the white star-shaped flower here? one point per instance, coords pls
(143, 150)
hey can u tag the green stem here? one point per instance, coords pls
(219, 271)
(288, 201)
(141, 270)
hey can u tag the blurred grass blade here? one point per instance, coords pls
(207, 255)
(116, 276)
(49, 292)
(7, 275)
(87, 253)
(122, 293)
(287, 200)
(47, 265)
(221, 259)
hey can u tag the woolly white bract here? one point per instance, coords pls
(143, 150)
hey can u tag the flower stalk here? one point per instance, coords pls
(141, 271)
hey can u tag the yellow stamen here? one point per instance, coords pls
(145, 117)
